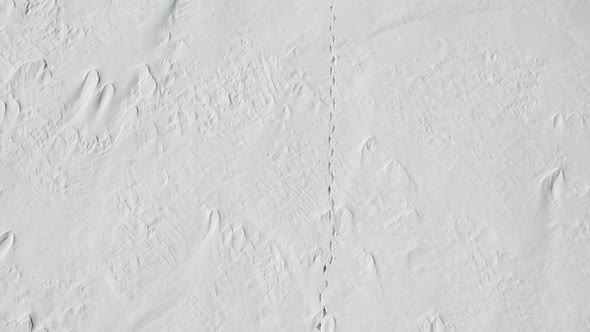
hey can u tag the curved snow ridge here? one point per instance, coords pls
(6, 241)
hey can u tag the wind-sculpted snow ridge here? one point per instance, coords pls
(294, 165)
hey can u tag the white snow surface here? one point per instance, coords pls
(294, 165)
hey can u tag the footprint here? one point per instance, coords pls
(6, 241)
(40, 9)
